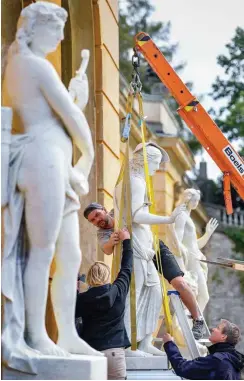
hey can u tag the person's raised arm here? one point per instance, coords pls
(140, 216)
(72, 117)
(123, 279)
(108, 247)
(196, 369)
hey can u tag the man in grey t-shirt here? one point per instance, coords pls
(97, 215)
(105, 234)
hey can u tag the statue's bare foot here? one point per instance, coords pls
(75, 345)
(137, 353)
(24, 348)
(47, 347)
(151, 349)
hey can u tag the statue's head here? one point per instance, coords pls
(191, 198)
(155, 156)
(40, 27)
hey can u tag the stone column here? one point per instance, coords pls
(107, 101)
(82, 37)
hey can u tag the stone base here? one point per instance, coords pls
(152, 375)
(62, 368)
(146, 363)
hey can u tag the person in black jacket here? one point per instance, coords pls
(102, 310)
(98, 216)
(222, 363)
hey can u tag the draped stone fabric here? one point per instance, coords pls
(147, 282)
(15, 352)
(148, 292)
(13, 266)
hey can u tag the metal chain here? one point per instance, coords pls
(135, 85)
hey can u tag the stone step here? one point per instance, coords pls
(75, 367)
(152, 375)
(147, 363)
(203, 341)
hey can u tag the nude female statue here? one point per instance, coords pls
(190, 247)
(43, 191)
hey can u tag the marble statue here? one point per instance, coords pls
(6, 125)
(190, 246)
(41, 216)
(78, 86)
(148, 289)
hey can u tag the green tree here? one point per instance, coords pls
(213, 192)
(230, 89)
(134, 17)
(237, 236)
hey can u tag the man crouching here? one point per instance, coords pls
(222, 363)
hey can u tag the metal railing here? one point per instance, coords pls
(235, 220)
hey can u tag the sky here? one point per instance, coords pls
(202, 29)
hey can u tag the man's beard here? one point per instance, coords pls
(105, 223)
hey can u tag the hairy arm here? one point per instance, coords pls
(72, 117)
(108, 248)
(107, 240)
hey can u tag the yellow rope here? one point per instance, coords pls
(129, 226)
(124, 177)
(151, 200)
(118, 222)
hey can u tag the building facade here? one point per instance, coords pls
(94, 25)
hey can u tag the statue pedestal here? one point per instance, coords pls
(62, 368)
(146, 363)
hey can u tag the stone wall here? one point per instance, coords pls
(106, 28)
(93, 25)
(226, 298)
(79, 34)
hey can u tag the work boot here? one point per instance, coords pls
(197, 329)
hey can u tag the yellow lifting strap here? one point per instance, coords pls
(121, 178)
(125, 213)
(151, 200)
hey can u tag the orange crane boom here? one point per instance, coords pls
(197, 119)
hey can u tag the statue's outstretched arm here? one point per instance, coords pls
(210, 228)
(73, 118)
(139, 215)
